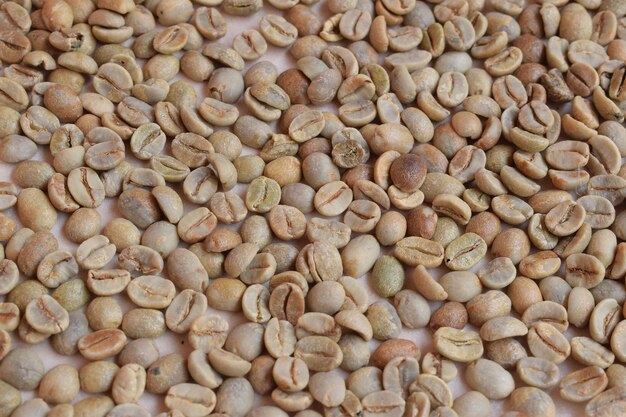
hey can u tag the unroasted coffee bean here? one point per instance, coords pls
(128, 384)
(333, 198)
(35, 210)
(22, 368)
(227, 363)
(262, 195)
(102, 344)
(465, 251)
(189, 398)
(16, 148)
(97, 404)
(86, 187)
(538, 372)
(72, 294)
(583, 384)
(408, 172)
(65, 343)
(319, 353)
(435, 389)
(14, 95)
(603, 320)
(608, 186)
(482, 374)
(95, 252)
(400, 373)
(451, 314)
(33, 407)
(458, 345)
(615, 375)
(201, 371)
(45, 315)
(389, 402)
(611, 399)
(583, 270)
(306, 126)
(506, 352)
(231, 404)
(166, 372)
(287, 302)
(419, 251)
(545, 341)
(184, 309)
(150, 291)
(10, 316)
(140, 259)
(33, 250)
(290, 374)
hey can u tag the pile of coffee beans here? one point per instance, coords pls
(454, 166)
